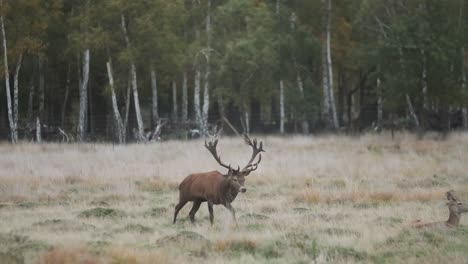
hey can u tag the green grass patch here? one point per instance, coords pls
(101, 212)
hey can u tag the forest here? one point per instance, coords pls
(125, 71)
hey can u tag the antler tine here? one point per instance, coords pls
(257, 147)
(211, 146)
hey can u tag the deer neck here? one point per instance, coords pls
(227, 192)
(453, 220)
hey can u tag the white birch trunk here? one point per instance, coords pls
(184, 98)
(206, 104)
(412, 112)
(247, 122)
(38, 130)
(282, 113)
(206, 94)
(13, 133)
(330, 70)
(133, 73)
(154, 90)
(174, 102)
(115, 107)
(326, 95)
(83, 96)
(15, 94)
(196, 99)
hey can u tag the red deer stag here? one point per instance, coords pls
(214, 187)
(456, 209)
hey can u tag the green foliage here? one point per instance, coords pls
(253, 45)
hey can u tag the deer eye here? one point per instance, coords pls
(235, 179)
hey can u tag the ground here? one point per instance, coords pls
(316, 199)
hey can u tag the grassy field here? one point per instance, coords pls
(313, 200)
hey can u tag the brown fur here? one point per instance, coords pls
(212, 187)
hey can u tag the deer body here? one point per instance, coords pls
(209, 186)
(214, 187)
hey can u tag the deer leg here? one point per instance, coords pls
(210, 209)
(196, 205)
(177, 209)
(233, 211)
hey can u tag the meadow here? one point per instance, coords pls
(316, 199)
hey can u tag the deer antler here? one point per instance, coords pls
(211, 146)
(256, 150)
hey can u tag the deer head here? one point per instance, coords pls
(236, 177)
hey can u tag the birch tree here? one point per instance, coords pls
(84, 78)
(121, 131)
(206, 88)
(136, 100)
(329, 107)
(83, 95)
(11, 118)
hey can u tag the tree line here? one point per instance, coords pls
(114, 69)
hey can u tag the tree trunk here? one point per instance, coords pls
(330, 69)
(115, 107)
(127, 105)
(13, 131)
(425, 98)
(31, 100)
(83, 96)
(175, 113)
(136, 100)
(41, 89)
(424, 81)
(196, 99)
(247, 122)
(206, 104)
(184, 98)
(282, 115)
(412, 112)
(65, 98)
(15, 93)
(379, 102)
(38, 130)
(206, 94)
(154, 90)
(221, 107)
(326, 95)
(304, 123)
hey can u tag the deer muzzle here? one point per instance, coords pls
(243, 189)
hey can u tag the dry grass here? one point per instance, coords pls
(322, 199)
